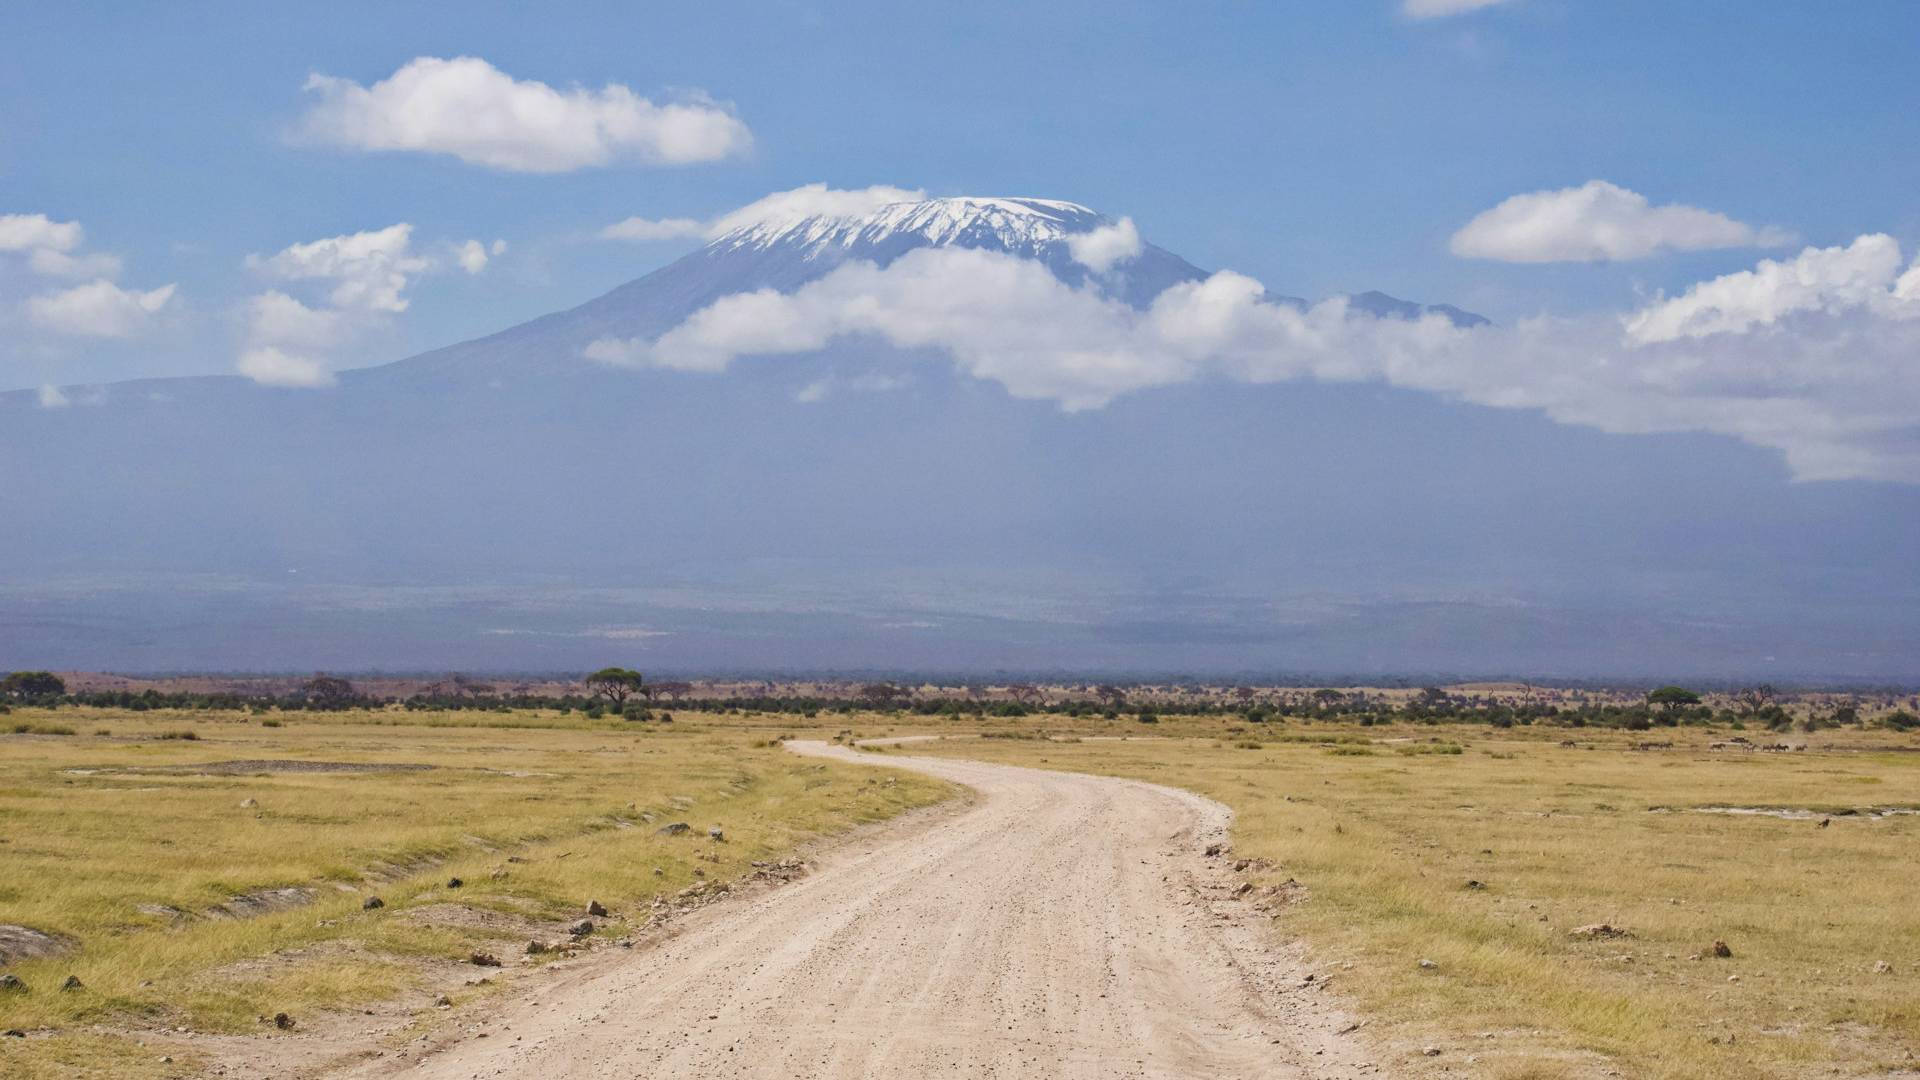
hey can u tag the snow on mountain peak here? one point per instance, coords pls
(1011, 224)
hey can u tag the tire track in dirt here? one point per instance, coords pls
(1062, 925)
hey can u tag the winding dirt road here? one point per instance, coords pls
(1060, 926)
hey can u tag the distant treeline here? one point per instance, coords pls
(624, 693)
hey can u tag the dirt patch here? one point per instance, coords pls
(263, 902)
(274, 765)
(19, 943)
(1795, 813)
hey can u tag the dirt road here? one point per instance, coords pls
(1060, 926)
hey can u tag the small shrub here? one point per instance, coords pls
(270, 722)
(41, 729)
(184, 734)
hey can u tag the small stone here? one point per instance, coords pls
(11, 984)
(535, 948)
(283, 1021)
(1431, 1051)
(1471, 884)
(657, 872)
(715, 833)
(443, 1001)
(484, 959)
(248, 804)
(1721, 950)
(1881, 967)
(13, 1033)
(1733, 978)
(371, 903)
(581, 928)
(73, 983)
(675, 829)
(1215, 849)
(454, 883)
(1428, 964)
(596, 908)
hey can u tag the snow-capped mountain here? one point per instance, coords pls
(1029, 227)
(508, 503)
(786, 253)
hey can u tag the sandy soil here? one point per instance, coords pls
(1059, 926)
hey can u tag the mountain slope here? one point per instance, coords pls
(504, 502)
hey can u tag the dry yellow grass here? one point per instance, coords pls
(1385, 835)
(103, 831)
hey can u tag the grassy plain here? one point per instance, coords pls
(1386, 830)
(1380, 828)
(126, 837)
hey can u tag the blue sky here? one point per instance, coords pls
(1318, 147)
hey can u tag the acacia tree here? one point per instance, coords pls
(616, 684)
(32, 685)
(1753, 699)
(882, 695)
(1672, 699)
(328, 692)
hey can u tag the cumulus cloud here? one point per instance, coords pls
(781, 207)
(1600, 222)
(98, 309)
(364, 277)
(473, 255)
(1865, 273)
(36, 232)
(1438, 9)
(473, 111)
(275, 317)
(51, 247)
(52, 397)
(272, 366)
(368, 270)
(1100, 249)
(1830, 384)
(647, 230)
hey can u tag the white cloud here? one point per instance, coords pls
(813, 200)
(275, 318)
(646, 230)
(51, 397)
(1600, 222)
(1830, 384)
(781, 207)
(34, 232)
(872, 382)
(473, 255)
(470, 109)
(270, 366)
(52, 262)
(51, 247)
(98, 309)
(1099, 249)
(1437, 9)
(365, 276)
(1819, 279)
(369, 270)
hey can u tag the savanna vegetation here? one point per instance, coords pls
(1536, 885)
(200, 873)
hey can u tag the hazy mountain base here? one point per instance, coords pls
(505, 503)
